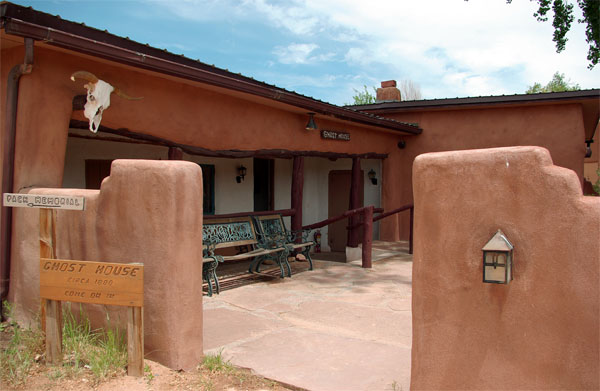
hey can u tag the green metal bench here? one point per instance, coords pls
(231, 233)
(273, 233)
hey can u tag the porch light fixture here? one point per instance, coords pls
(498, 260)
(588, 148)
(311, 125)
(241, 174)
(372, 176)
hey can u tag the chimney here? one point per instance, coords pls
(388, 92)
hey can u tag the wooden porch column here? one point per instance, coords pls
(175, 153)
(354, 233)
(297, 189)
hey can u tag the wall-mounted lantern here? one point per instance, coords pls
(241, 174)
(498, 260)
(372, 176)
(311, 125)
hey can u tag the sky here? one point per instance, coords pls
(329, 49)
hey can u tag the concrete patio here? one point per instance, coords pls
(338, 327)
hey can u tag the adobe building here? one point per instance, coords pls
(260, 147)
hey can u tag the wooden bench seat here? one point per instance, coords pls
(235, 233)
(271, 229)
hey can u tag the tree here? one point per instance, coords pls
(363, 97)
(558, 83)
(409, 90)
(563, 18)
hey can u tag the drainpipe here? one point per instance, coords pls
(8, 162)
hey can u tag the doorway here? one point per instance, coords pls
(264, 195)
(339, 201)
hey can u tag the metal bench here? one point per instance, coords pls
(231, 233)
(272, 231)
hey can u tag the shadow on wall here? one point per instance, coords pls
(541, 331)
(146, 211)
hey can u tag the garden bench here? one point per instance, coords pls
(272, 231)
(231, 233)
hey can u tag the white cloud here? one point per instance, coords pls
(478, 38)
(291, 16)
(449, 47)
(300, 53)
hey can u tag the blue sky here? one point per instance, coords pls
(327, 48)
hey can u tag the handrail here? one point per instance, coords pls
(331, 220)
(369, 222)
(391, 212)
(283, 212)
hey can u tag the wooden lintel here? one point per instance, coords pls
(231, 154)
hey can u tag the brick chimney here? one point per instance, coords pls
(388, 92)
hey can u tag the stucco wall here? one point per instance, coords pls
(148, 212)
(542, 330)
(558, 128)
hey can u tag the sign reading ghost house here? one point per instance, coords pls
(335, 135)
(43, 201)
(92, 282)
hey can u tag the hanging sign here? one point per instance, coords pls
(335, 135)
(43, 201)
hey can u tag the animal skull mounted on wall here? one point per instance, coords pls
(98, 97)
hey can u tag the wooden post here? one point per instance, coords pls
(297, 191)
(354, 233)
(53, 313)
(175, 153)
(135, 341)
(410, 237)
(51, 309)
(367, 243)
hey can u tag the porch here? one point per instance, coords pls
(337, 327)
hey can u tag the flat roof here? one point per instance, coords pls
(27, 22)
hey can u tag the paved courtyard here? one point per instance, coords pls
(338, 327)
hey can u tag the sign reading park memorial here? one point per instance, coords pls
(92, 282)
(43, 201)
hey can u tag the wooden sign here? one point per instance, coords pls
(92, 282)
(43, 201)
(335, 135)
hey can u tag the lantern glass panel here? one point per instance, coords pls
(495, 266)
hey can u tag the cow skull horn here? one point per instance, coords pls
(85, 75)
(124, 95)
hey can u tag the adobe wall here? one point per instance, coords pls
(146, 211)
(182, 111)
(558, 128)
(542, 330)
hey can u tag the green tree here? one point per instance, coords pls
(558, 83)
(362, 97)
(563, 18)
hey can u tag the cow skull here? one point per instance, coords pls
(98, 97)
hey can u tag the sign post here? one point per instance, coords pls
(81, 281)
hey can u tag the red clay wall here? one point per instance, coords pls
(141, 215)
(558, 128)
(542, 330)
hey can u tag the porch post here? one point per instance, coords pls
(175, 153)
(353, 233)
(297, 188)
